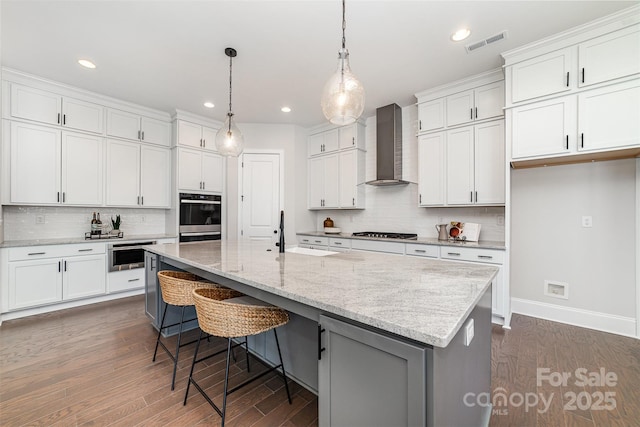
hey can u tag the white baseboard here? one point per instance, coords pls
(578, 317)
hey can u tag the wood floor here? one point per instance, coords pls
(92, 366)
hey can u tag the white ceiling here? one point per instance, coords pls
(170, 54)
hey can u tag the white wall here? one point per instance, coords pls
(70, 222)
(395, 208)
(548, 241)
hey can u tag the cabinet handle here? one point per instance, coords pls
(471, 194)
(133, 280)
(142, 200)
(36, 253)
(476, 112)
(58, 197)
(353, 201)
(420, 124)
(420, 199)
(472, 114)
(582, 140)
(85, 250)
(65, 265)
(317, 241)
(453, 253)
(204, 143)
(567, 143)
(337, 243)
(59, 267)
(583, 75)
(143, 135)
(320, 347)
(64, 196)
(305, 240)
(353, 140)
(64, 119)
(476, 197)
(485, 256)
(567, 79)
(58, 118)
(138, 134)
(204, 185)
(138, 200)
(153, 260)
(420, 251)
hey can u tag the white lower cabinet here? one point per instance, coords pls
(34, 283)
(126, 280)
(199, 171)
(313, 242)
(83, 276)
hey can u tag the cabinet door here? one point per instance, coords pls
(189, 169)
(348, 167)
(123, 173)
(82, 115)
(315, 144)
(84, 276)
(544, 128)
(35, 164)
(155, 131)
(542, 75)
(489, 163)
(460, 108)
(431, 169)
(34, 104)
(189, 134)
(212, 172)
(609, 117)
(460, 163)
(609, 57)
(331, 139)
(347, 136)
(33, 283)
(369, 379)
(123, 124)
(331, 181)
(315, 182)
(431, 115)
(81, 169)
(209, 138)
(489, 101)
(155, 177)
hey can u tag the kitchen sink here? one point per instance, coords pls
(307, 251)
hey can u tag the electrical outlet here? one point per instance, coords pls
(556, 289)
(468, 333)
(500, 219)
(40, 219)
(142, 218)
(587, 221)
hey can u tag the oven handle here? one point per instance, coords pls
(200, 202)
(128, 246)
(213, 233)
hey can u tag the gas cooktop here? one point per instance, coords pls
(405, 236)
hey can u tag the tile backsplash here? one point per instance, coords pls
(39, 222)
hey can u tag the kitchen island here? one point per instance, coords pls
(382, 339)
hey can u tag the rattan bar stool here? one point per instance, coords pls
(177, 288)
(234, 318)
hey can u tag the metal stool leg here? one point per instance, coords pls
(164, 313)
(284, 375)
(175, 361)
(193, 364)
(246, 349)
(226, 382)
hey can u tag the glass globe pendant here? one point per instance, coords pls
(229, 139)
(343, 95)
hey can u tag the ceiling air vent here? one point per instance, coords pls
(495, 38)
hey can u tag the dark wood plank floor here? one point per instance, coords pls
(92, 366)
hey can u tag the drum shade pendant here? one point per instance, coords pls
(343, 95)
(229, 139)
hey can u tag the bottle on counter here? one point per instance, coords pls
(99, 225)
(94, 224)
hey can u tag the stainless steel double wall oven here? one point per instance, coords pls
(200, 217)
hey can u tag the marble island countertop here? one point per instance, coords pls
(484, 244)
(73, 240)
(426, 300)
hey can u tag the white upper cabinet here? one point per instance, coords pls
(325, 142)
(431, 167)
(351, 179)
(323, 182)
(50, 108)
(123, 124)
(200, 171)
(543, 75)
(612, 56)
(123, 173)
(431, 115)
(460, 166)
(195, 135)
(155, 177)
(481, 103)
(212, 173)
(351, 136)
(81, 169)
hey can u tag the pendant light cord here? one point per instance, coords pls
(230, 113)
(344, 24)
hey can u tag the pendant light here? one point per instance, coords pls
(229, 139)
(343, 95)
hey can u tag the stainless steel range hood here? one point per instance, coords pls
(388, 146)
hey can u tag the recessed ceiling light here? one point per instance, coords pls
(209, 104)
(461, 34)
(285, 109)
(86, 63)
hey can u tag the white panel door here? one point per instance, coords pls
(81, 169)
(123, 124)
(155, 177)
(155, 131)
(189, 169)
(35, 164)
(331, 178)
(348, 167)
(315, 182)
(34, 283)
(189, 134)
(261, 196)
(34, 104)
(431, 115)
(544, 128)
(609, 117)
(82, 115)
(460, 165)
(209, 138)
(489, 163)
(212, 172)
(609, 57)
(431, 172)
(489, 100)
(84, 276)
(460, 108)
(123, 173)
(542, 75)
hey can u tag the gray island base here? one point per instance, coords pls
(383, 340)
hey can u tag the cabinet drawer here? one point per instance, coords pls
(422, 250)
(313, 240)
(55, 251)
(378, 246)
(491, 256)
(126, 280)
(337, 242)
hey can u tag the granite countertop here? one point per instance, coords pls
(426, 300)
(72, 240)
(483, 244)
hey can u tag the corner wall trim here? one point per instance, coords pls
(620, 325)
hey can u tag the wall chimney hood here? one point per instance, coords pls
(388, 146)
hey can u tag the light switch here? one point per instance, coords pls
(468, 332)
